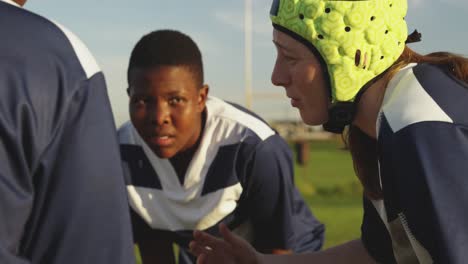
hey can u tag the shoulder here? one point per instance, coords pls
(236, 117)
(81, 51)
(40, 41)
(423, 93)
(125, 133)
(131, 148)
(256, 138)
(130, 145)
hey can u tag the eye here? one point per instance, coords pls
(290, 59)
(175, 100)
(138, 101)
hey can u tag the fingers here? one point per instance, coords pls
(241, 250)
(198, 249)
(236, 242)
(208, 241)
(229, 249)
(209, 249)
(231, 238)
(213, 259)
(201, 259)
(204, 243)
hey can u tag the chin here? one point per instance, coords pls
(163, 154)
(313, 120)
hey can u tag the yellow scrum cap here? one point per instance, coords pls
(356, 39)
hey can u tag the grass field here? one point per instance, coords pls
(328, 184)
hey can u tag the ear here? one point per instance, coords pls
(203, 96)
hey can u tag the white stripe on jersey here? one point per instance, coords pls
(87, 60)
(197, 214)
(85, 57)
(188, 209)
(181, 207)
(417, 249)
(221, 109)
(406, 102)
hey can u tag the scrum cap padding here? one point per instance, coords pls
(357, 39)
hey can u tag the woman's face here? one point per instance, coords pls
(299, 71)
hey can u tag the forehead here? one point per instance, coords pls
(291, 46)
(163, 78)
(285, 42)
(162, 72)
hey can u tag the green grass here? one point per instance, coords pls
(137, 255)
(328, 184)
(328, 170)
(342, 219)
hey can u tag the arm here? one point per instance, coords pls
(281, 218)
(62, 196)
(71, 165)
(430, 169)
(155, 251)
(87, 209)
(281, 252)
(16, 186)
(155, 246)
(21, 142)
(234, 250)
(350, 252)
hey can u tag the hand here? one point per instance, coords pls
(230, 250)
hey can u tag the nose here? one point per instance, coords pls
(160, 114)
(280, 75)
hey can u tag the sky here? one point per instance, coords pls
(111, 28)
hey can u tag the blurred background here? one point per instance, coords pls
(233, 63)
(235, 40)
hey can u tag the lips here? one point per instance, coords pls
(162, 140)
(295, 102)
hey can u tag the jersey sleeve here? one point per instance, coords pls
(16, 182)
(62, 180)
(429, 164)
(62, 193)
(280, 216)
(85, 181)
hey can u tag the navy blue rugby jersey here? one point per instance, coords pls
(241, 175)
(423, 159)
(62, 190)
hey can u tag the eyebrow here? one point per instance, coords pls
(281, 46)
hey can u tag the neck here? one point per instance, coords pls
(368, 108)
(181, 160)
